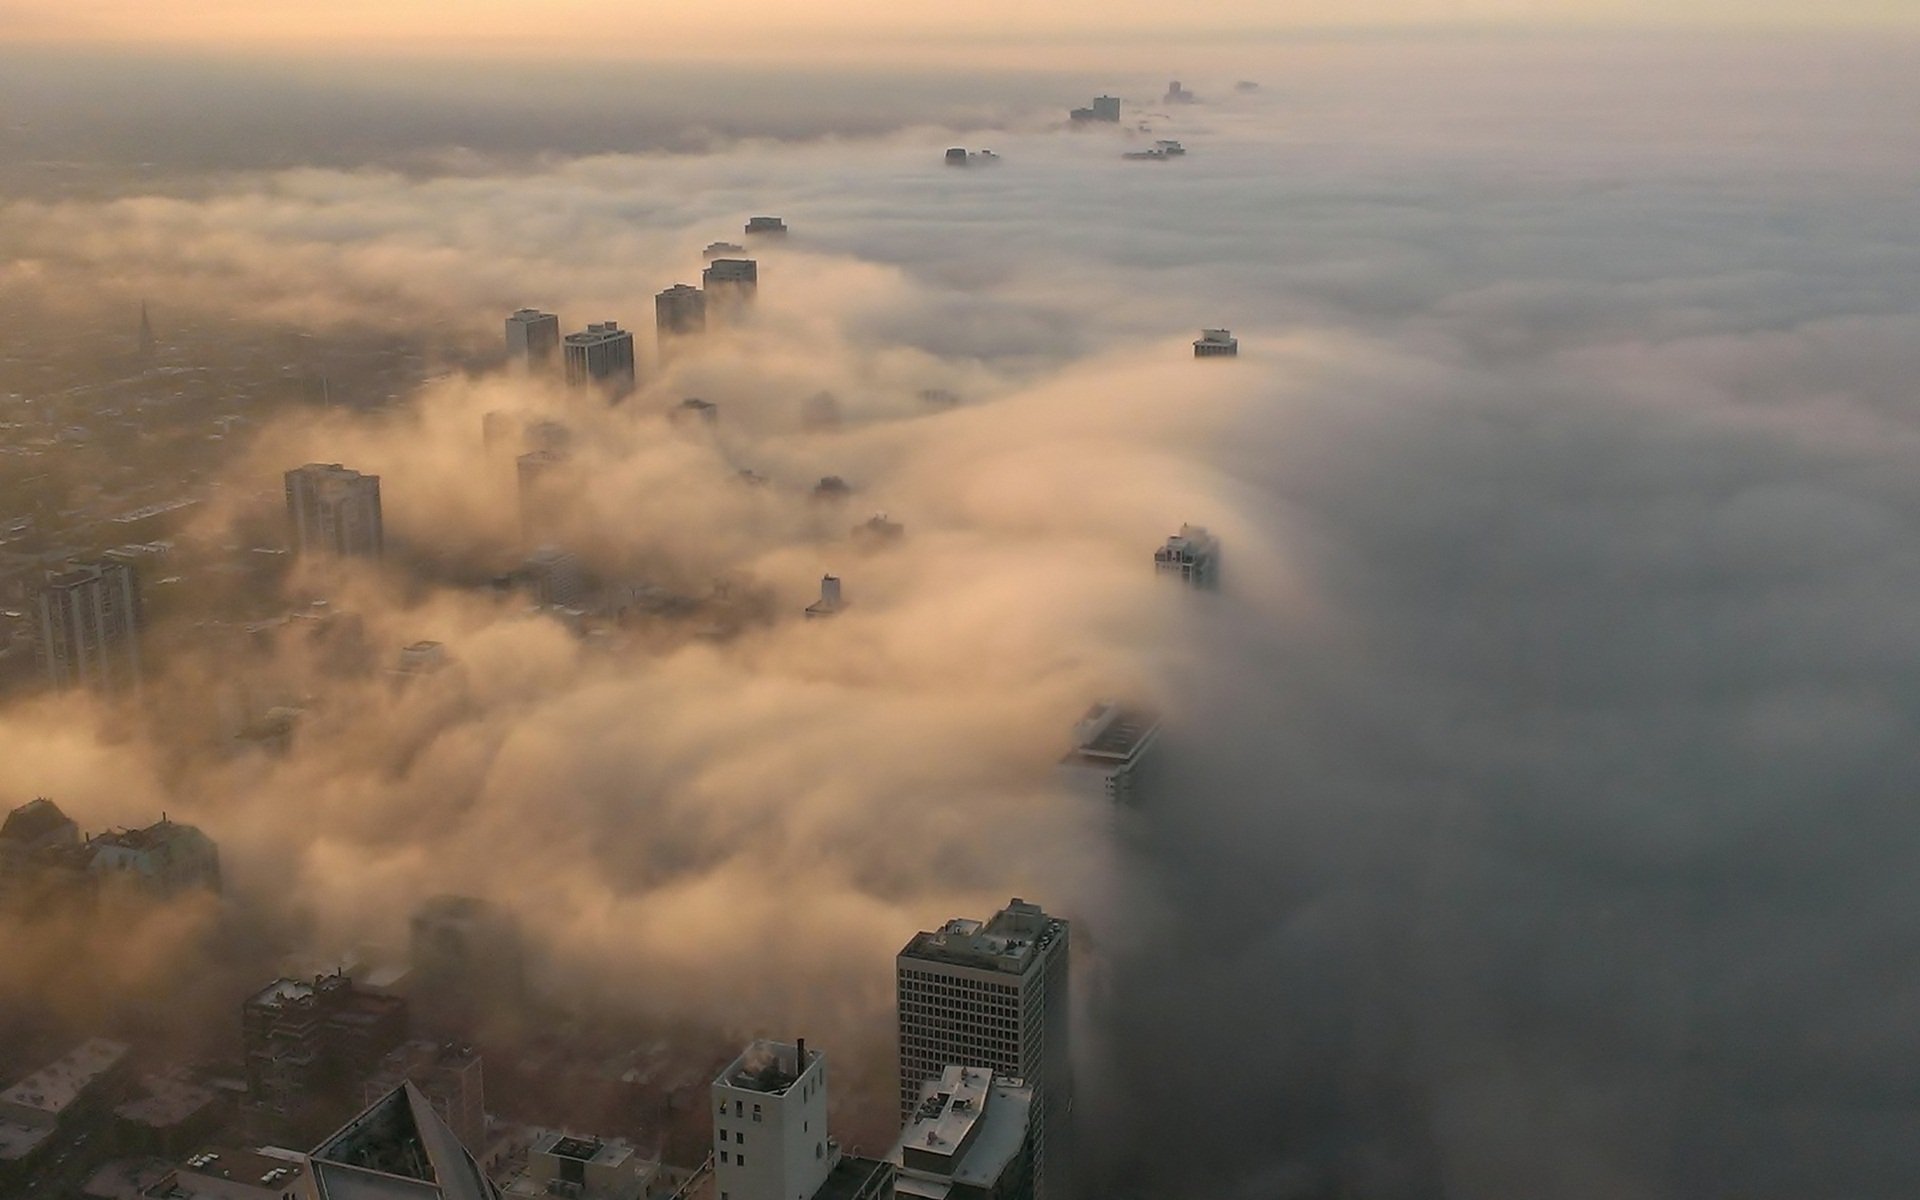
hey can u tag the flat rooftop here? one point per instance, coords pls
(968, 1127)
(53, 1088)
(242, 1166)
(769, 1068)
(1011, 941)
(1111, 733)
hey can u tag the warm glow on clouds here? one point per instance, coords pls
(837, 29)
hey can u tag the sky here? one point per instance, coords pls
(1538, 813)
(872, 33)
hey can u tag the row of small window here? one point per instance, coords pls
(740, 1110)
(921, 981)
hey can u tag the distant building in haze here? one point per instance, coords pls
(1111, 749)
(967, 1139)
(545, 481)
(88, 621)
(679, 311)
(306, 1042)
(723, 250)
(554, 577)
(1192, 556)
(1103, 108)
(469, 968)
(36, 827)
(994, 995)
(830, 602)
(731, 282)
(766, 227)
(163, 859)
(449, 1075)
(334, 511)
(601, 357)
(1215, 343)
(533, 338)
(1176, 94)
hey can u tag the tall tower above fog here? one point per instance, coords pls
(1192, 556)
(601, 357)
(731, 282)
(334, 510)
(533, 338)
(89, 620)
(680, 310)
(994, 995)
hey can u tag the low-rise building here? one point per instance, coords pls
(968, 1139)
(584, 1168)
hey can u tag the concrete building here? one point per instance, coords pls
(306, 1042)
(230, 1173)
(1212, 343)
(449, 1075)
(88, 620)
(34, 828)
(723, 250)
(968, 1139)
(554, 578)
(1192, 556)
(584, 1168)
(61, 1100)
(679, 311)
(766, 227)
(533, 339)
(397, 1149)
(163, 859)
(1104, 109)
(770, 1124)
(334, 510)
(601, 357)
(1111, 752)
(731, 282)
(994, 995)
(1178, 94)
(830, 602)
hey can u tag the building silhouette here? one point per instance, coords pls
(1192, 556)
(88, 620)
(679, 311)
(601, 357)
(333, 510)
(730, 283)
(533, 338)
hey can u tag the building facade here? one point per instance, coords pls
(1192, 556)
(89, 620)
(601, 357)
(731, 282)
(679, 311)
(770, 1124)
(333, 510)
(1111, 753)
(994, 995)
(533, 339)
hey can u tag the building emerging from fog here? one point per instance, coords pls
(967, 1139)
(1104, 109)
(533, 338)
(766, 227)
(1212, 343)
(88, 627)
(679, 311)
(1192, 556)
(994, 995)
(731, 282)
(306, 1042)
(335, 511)
(468, 964)
(723, 250)
(601, 357)
(448, 1075)
(830, 602)
(1111, 751)
(163, 859)
(397, 1149)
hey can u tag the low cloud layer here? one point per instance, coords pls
(1536, 804)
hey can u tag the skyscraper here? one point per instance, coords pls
(994, 996)
(546, 492)
(533, 337)
(1192, 556)
(680, 310)
(731, 282)
(89, 627)
(602, 357)
(1111, 752)
(334, 510)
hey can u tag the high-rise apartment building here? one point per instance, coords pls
(680, 310)
(533, 338)
(89, 619)
(601, 357)
(994, 995)
(469, 965)
(731, 282)
(305, 1041)
(1192, 556)
(334, 510)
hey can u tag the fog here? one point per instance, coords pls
(1535, 813)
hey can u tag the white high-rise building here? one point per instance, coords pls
(334, 510)
(770, 1124)
(1191, 556)
(89, 627)
(994, 995)
(533, 338)
(1110, 754)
